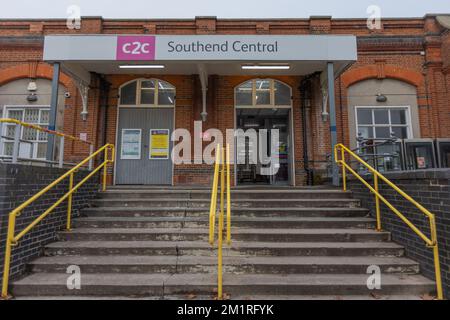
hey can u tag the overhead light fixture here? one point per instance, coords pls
(142, 66)
(266, 67)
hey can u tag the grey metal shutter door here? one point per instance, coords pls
(144, 171)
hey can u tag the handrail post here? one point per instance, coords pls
(69, 203)
(91, 151)
(228, 196)
(7, 264)
(437, 265)
(212, 209)
(377, 202)
(344, 173)
(16, 145)
(220, 231)
(61, 152)
(105, 170)
(1, 137)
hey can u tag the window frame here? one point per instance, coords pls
(138, 94)
(373, 126)
(35, 143)
(272, 103)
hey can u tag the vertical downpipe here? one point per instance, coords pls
(53, 110)
(333, 129)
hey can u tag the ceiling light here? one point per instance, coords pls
(142, 66)
(266, 67)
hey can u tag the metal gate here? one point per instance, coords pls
(144, 147)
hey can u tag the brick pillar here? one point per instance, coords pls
(205, 25)
(320, 24)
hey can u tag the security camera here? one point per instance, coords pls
(67, 94)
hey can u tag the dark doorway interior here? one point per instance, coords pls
(257, 119)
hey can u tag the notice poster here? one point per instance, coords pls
(159, 144)
(421, 164)
(131, 144)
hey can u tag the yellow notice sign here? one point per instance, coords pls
(159, 144)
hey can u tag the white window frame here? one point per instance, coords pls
(155, 91)
(409, 131)
(6, 109)
(272, 94)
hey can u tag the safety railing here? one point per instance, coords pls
(19, 125)
(222, 173)
(12, 238)
(340, 152)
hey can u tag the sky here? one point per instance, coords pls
(150, 9)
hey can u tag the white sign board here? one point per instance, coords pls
(200, 48)
(131, 144)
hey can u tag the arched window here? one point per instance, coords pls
(147, 92)
(263, 92)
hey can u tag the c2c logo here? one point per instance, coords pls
(135, 48)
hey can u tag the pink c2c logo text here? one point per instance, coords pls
(135, 48)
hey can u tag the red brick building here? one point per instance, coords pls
(402, 74)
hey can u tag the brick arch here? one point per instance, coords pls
(42, 71)
(387, 71)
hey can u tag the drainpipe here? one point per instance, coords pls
(105, 88)
(203, 74)
(305, 93)
(53, 111)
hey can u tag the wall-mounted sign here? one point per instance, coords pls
(159, 144)
(83, 136)
(131, 144)
(135, 48)
(200, 48)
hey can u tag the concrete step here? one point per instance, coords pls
(235, 194)
(236, 203)
(237, 212)
(244, 222)
(202, 248)
(161, 285)
(191, 234)
(231, 264)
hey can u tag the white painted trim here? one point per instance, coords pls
(272, 94)
(410, 131)
(138, 96)
(23, 107)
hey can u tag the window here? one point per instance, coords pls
(263, 92)
(147, 92)
(379, 123)
(34, 142)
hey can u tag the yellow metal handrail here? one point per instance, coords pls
(13, 239)
(33, 126)
(222, 167)
(431, 242)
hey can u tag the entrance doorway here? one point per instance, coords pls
(250, 173)
(144, 126)
(265, 104)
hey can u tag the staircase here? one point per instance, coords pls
(150, 243)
